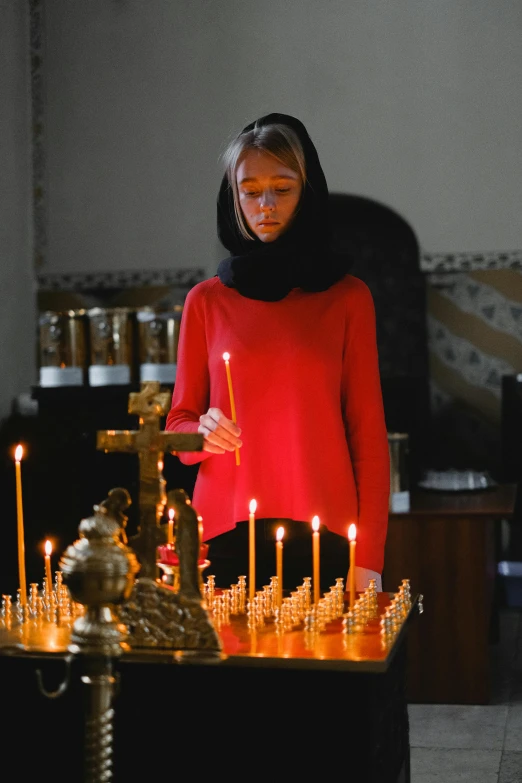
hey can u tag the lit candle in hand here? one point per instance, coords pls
(279, 564)
(315, 541)
(49, 583)
(352, 531)
(252, 550)
(170, 532)
(226, 357)
(20, 525)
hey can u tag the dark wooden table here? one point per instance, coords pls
(445, 545)
(281, 706)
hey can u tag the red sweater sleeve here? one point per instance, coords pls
(366, 428)
(190, 398)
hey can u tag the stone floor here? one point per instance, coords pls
(475, 744)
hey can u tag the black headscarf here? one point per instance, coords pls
(302, 257)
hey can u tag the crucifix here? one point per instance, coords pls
(150, 443)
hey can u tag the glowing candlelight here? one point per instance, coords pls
(170, 532)
(352, 530)
(47, 559)
(279, 564)
(160, 465)
(252, 550)
(315, 549)
(226, 357)
(20, 524)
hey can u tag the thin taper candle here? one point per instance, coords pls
(351, 537)
(226, 357)
(48, 576)
(170, 530)
(316, 559)
(279, 565)
(20, 526)
(252, 550)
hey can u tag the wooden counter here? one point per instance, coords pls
(282, 704)
(445, 545)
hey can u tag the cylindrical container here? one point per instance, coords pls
(398, 444)
(111, 343)
(158, 335)
(62, 348)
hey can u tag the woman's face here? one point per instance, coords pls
(269, 193)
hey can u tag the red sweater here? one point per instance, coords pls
(308, 399)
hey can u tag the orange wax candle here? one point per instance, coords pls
(49, 584)
(20, 525)
(351, 537)
(252, 550)
(226, 357)
(315, 552)
(170, 532)
(279, 564)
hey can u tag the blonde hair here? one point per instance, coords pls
(278, 140)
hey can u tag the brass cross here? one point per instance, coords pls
(150, 443)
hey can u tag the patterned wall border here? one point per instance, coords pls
(36, 52)
(78, 281)
(468, 262)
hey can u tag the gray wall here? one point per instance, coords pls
(17, 287)
(414, 103)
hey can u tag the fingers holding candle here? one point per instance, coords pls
(220, 433)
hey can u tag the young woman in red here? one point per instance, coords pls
(301, 334)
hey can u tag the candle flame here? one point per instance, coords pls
(252, 506)
(280, 533)
(48, 547)
(160, 465)
(19, 452)
(171, 513)
(226, 356)
(352, 530)
(315, 523)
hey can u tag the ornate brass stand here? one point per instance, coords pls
(99, 571)
(158, 617)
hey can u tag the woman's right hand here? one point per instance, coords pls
(219, 433)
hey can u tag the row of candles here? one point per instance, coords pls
(48, 547)
(316, 578)
(251, 544)
(280, 530)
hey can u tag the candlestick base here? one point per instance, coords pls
(171, 574)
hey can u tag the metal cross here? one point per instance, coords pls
(150, 443)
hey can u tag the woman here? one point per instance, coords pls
(310, 437)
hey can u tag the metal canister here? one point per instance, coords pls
(62, 348)
(158, 336)
(111, 346)
(398, 444)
